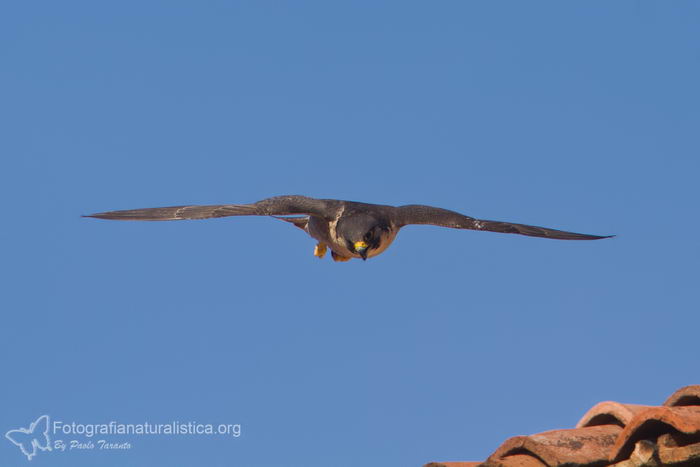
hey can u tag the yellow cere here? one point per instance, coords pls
(360, 246)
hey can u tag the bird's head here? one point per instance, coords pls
(362, 233)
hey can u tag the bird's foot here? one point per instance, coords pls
(337, 257)
(320, 250)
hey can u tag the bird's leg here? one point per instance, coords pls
(320, 250)
(337, 257)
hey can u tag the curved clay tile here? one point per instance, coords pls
(689, 395)
(518, 460)
(651, 423)
(610, 413)
(676, 448)
(575, 446)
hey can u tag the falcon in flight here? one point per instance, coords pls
(350, 229)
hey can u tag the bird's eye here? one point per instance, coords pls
(368, 236)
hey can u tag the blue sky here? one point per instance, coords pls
(574, 115)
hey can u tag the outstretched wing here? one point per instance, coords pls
(277, 206)
(417, 214)
(300, 222)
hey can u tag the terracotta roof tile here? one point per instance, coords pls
(654, 422)
(678, 448)
(644, 454)
(611, 434)
(516, 460)
(610, 413)
(577, 446)
(689, 395)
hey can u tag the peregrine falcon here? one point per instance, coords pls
(350, 229)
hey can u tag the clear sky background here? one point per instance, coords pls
(582, 116)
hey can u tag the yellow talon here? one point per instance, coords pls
(337, 257)
(320, 250)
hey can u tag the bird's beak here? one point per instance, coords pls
(361, 249)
